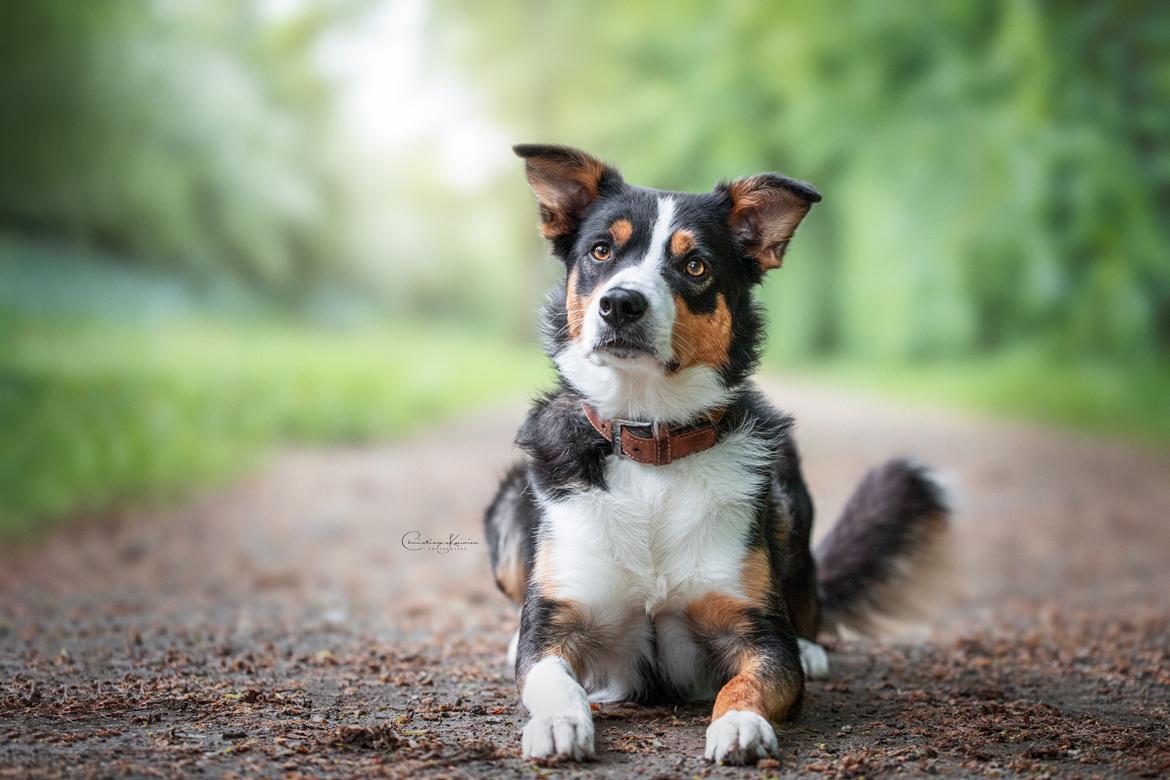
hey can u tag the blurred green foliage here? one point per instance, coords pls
(178, 133)
(107, 407)
(205, 248)
(994, 173)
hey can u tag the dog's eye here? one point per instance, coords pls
(696, 267)
(601, 252)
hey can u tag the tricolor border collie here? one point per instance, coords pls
(656, 534)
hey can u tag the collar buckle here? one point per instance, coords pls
(616, 427)
(656, 444)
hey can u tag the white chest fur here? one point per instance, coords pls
(658, 536)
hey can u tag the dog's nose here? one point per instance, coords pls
(620, 306)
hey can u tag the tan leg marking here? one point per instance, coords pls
(719, 614)
(542, 570)
(512, 578)
(756, 575)
(772, 696)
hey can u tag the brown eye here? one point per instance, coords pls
(601, 252)
(696, 268)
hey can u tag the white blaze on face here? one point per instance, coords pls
(648, 279)
(642, 388)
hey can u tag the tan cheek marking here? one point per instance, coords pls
(682, 242)
(575, 306)
(701, 339)
(621, 230)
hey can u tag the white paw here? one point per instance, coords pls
(814, 659)
(740, 738)
(559, 736)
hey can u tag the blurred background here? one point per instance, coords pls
(228, 226)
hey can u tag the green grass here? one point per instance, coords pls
(94, 414)
(1086, 395)
(119, 385)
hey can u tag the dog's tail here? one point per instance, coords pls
(892, 533)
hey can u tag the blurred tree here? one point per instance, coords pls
(995, 173)
(177, 133)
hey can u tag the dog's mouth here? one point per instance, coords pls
(624, 347)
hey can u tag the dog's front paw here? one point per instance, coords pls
(740, 738)
(559, 736)
(814, 659)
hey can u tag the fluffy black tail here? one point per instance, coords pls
(891, 534)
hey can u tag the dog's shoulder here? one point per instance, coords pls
(788, 486)
(566, 453)
(755, 410)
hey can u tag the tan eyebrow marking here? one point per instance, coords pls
(621, 230)
(681, 242)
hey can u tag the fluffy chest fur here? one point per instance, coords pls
(658, 536)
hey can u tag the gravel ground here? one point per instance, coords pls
(280, 628)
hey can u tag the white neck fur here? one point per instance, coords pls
(643, 389)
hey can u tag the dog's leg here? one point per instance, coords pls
(792, 523)
(551, 651)
(741, 730)
(513, 646)
(561, 725)
(766, 682)
(814, 659)
(509, 526)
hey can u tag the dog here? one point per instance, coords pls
(656, 534)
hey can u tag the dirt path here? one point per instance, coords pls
(281, 628)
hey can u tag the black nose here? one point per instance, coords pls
(620, 307)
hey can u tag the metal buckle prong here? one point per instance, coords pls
(616, 434)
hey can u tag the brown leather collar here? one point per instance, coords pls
(656, 445)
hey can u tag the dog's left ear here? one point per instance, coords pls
(565, 181)
(765, 212)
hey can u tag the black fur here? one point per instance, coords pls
(894, 514)
(893, 519)
(565, 453)
(734, 274)
(512, 519)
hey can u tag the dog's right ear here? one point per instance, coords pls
(565, 181)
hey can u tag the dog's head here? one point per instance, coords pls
(657, 318)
